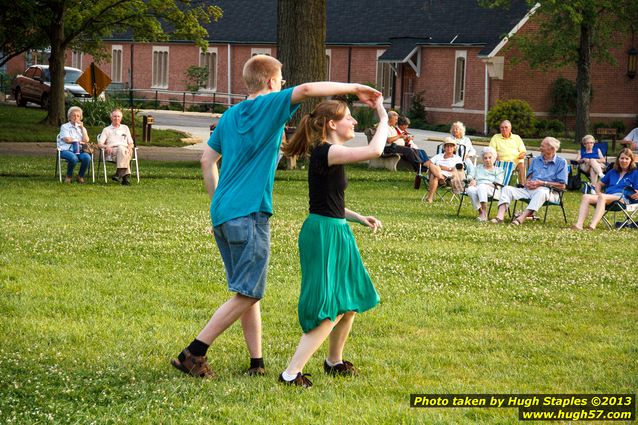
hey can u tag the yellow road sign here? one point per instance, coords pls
(94, 80)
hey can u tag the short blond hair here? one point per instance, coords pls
(258, 70)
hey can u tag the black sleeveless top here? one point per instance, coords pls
(326, 185)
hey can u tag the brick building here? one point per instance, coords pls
(453, 53)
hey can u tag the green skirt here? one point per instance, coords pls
(333, 278)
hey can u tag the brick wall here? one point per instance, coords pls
(615, 95)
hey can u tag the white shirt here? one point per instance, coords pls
(113, 137)
(446, 162)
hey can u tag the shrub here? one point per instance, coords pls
(419, 124)
(175, 105)
(544, 128)
(517, 111)
(350, 99)
(96, 113)
(417, 108)
(196, 77)
(618, 125)
(366, 118)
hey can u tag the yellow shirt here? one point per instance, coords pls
(507, 149)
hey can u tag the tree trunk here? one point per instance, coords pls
(301, 37)
(583, 81)
(56, 114)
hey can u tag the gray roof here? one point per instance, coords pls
(375, 22)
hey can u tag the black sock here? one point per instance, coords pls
(197, 348)
(257, 362)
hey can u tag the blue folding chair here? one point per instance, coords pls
(603, 146)
(508, 168)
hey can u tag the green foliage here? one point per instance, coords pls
(350, 99)
(557, 40)
(618, 125)
(27, 125)
(517, 111)
(86, 24)
(563, 94)
(98, 112)
(175, 105)
(366, 118)
(544, 128)
(216, 108)
(5, 83)
(94, 306)
(417, 108)
(196, 77)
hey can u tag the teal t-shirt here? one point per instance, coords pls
(248, 137)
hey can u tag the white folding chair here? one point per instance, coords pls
(102, 160)
(58, 165)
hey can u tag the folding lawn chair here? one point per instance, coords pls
(508, 168)
(442, 190)
(628, 213)
(103, 159)
(550, 203)
(603, 146)
(58, 165)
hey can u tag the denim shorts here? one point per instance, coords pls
(244, 244)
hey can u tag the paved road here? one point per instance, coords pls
(198, 124)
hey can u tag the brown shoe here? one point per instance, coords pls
(194, 365)
(80, 180)
(67, 179)
(342, 369)
(300, 380)
(256, 371)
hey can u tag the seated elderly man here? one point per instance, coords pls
(510, 147)
(117, 143)
(546, 172)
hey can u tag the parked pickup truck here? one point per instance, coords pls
(35, 84)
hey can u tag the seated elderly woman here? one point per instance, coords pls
(72, 135)
(481, 182)
(451, 170)
(547, 171)
(591, 161)
(609, 189)
(396, 143)
(458, 134)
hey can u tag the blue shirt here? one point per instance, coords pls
(615, 184)
(68, 130)
(554, 171)
(248, 137)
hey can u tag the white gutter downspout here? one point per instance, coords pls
(229, 77)
(487, 99)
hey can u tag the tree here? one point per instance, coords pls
(301, 38)
(574, 34)
(18, 29)
(83, 24)
(196, 77)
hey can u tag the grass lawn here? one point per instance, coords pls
(100, 285)
(25, 125)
